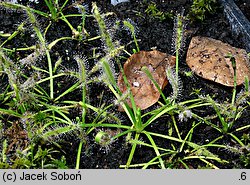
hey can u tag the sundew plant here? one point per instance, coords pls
(56, 104)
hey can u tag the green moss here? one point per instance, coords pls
(200, 8)
(153, 12)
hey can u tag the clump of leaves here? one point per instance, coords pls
(200, 8)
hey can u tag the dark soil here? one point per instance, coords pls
(244, 7)
(151, 32)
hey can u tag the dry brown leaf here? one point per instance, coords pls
(144, 91)
(208, 59)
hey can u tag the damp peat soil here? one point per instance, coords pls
(151, 32)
